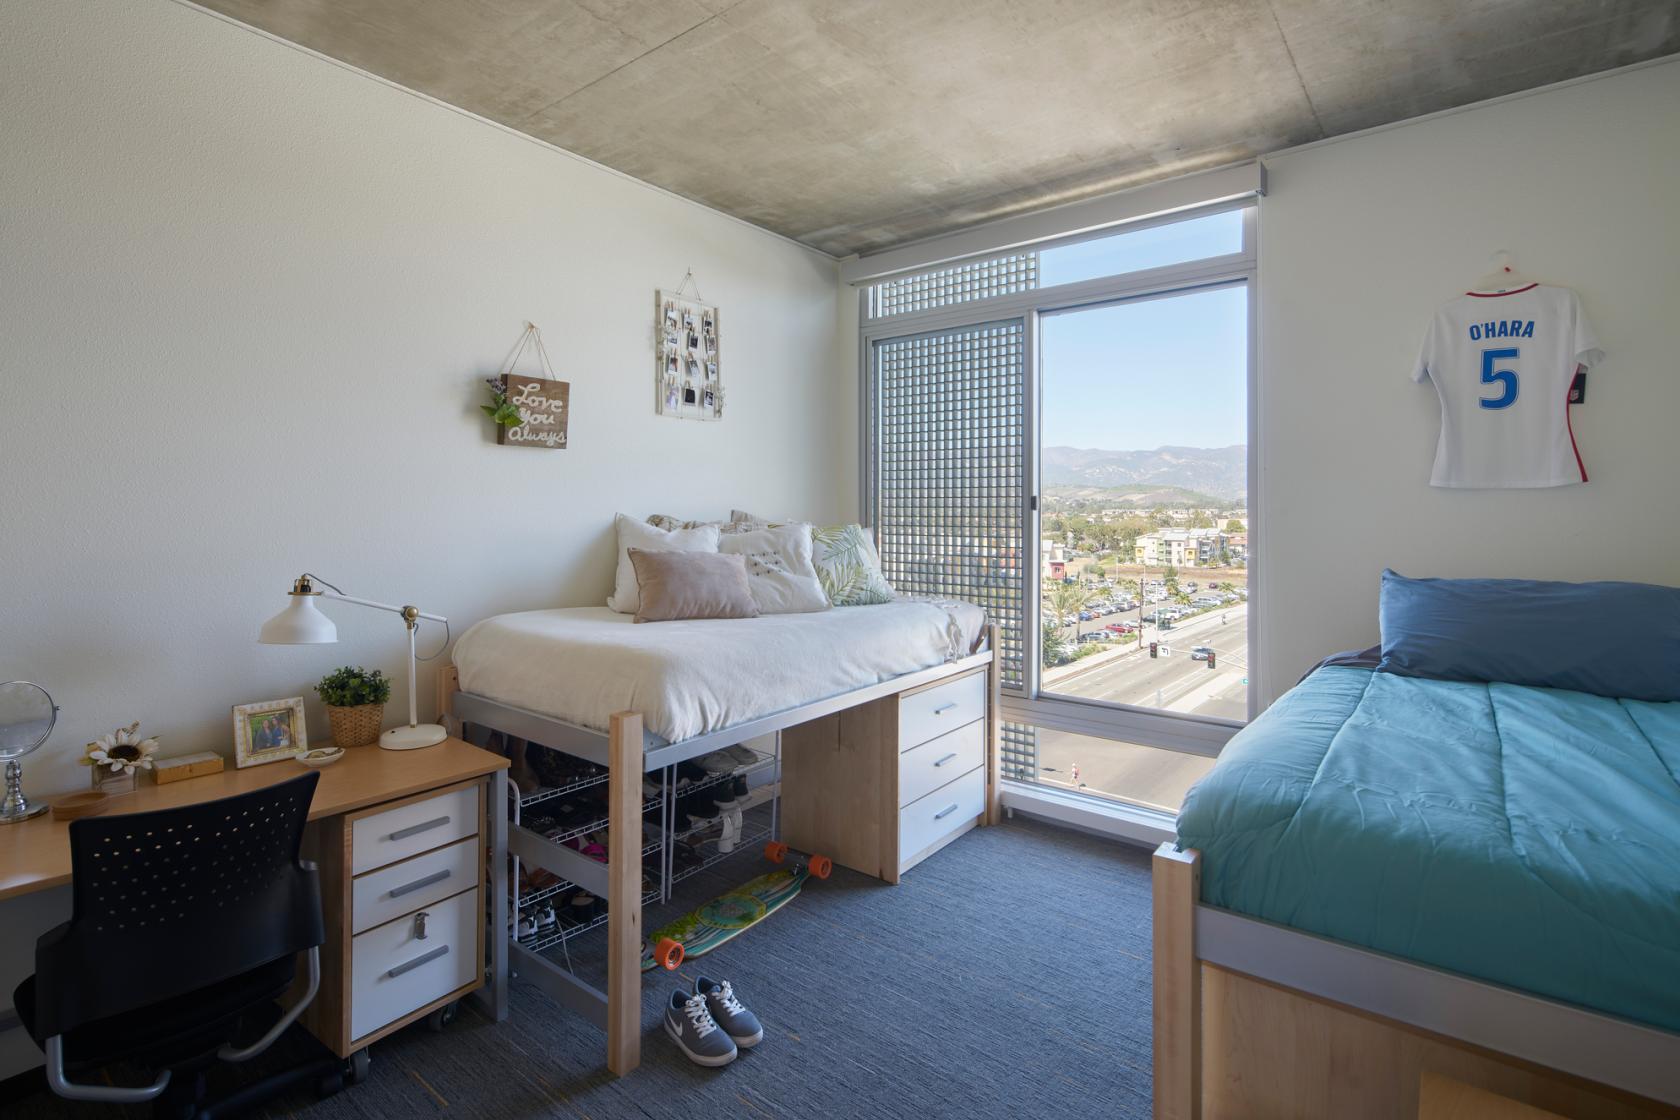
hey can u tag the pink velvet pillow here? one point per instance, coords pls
(676, 585)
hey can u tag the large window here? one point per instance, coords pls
(1143, 483)
(1061, 434)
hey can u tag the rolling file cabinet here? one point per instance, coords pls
(408, 880)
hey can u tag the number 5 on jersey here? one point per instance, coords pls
(1505, 377)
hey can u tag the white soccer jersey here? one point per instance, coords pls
(1502, 365)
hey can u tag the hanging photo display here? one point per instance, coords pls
(686, 377)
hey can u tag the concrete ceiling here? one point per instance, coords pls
(852, 125)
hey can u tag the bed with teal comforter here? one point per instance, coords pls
(1525, 836)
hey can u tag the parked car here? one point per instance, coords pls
(1200, 653)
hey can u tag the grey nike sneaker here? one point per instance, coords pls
(741, 1025)
(744, 756)
(696, 1033)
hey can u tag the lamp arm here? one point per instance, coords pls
(304, 583)
(381, 606)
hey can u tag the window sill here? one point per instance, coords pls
(1131, 823)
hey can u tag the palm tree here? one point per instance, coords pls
(1065, 602)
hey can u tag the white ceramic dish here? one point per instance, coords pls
(321, 756)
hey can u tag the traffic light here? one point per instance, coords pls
(1210, 659)
(1154, 649)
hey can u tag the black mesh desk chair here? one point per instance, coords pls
(184, 923)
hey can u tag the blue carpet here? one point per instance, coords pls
(1008, 976)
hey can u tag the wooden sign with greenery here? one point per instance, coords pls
(529, 411)
(544, 407)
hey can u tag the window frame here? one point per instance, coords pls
(1185, 732)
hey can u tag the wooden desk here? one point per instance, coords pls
(35, 854)
(366, 783)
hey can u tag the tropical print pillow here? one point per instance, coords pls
(848, 566)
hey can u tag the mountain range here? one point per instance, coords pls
(1219, 471)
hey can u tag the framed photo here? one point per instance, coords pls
(268, 731)
(688, 364)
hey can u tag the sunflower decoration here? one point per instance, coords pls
(121, 752)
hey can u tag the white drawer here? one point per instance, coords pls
(393, 891)
(927, 715)
(393, 972)
(924, 823)
(923, 769)
(414, 828)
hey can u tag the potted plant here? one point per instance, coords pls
(355, 700)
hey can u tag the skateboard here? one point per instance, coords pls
(704, 929)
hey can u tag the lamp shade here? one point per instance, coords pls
(300, 624)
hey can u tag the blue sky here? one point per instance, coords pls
(1135, 376)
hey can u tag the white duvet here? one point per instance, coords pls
(582, 664)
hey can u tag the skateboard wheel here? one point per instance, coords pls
(668, 954)
(775, 851)
(821, 866)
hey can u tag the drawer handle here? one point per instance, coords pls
(417, 829)
(946, 759)
(943, 708)
(409, 888)
(423, 958)
(945, 812)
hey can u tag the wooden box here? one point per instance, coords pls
(168, 770)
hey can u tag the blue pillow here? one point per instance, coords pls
(1611, 639)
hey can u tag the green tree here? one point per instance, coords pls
(1053, 648)
(1234, 526)
(1066, 601)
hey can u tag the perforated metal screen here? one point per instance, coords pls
(1018, 752)
(948, 454)
(944, 287)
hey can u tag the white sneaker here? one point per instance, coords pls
(731, 832)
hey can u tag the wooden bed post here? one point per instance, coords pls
(994, 717)
(624, 894)
(448, 684)
(1178, 985)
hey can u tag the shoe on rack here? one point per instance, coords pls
(545, 919)
(718, 762)
(730, 832)
(743, 756)
(696, 810)
(731, 795)
(584, 908)
(689, 1022)
(525, 929)
(741, 1025)
(651, 789)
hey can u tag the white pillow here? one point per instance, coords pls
(634, 533)
(779, 568)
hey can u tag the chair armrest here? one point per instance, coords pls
(230, 1054)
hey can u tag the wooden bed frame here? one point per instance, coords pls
(629, 752)
(1256, 1020)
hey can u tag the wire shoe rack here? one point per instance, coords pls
(676, 847)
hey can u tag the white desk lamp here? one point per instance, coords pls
(302, 623)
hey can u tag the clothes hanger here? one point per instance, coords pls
(1502, 277)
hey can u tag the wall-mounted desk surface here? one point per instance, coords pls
(35, 854)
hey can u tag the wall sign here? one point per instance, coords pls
(544, 407)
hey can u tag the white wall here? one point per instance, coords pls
(1359, 240)
(246, 296)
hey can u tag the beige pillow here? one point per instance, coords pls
(674, 585)
(638, 534)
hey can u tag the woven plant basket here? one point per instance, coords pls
(356, 727)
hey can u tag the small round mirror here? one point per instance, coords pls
(27, 715)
